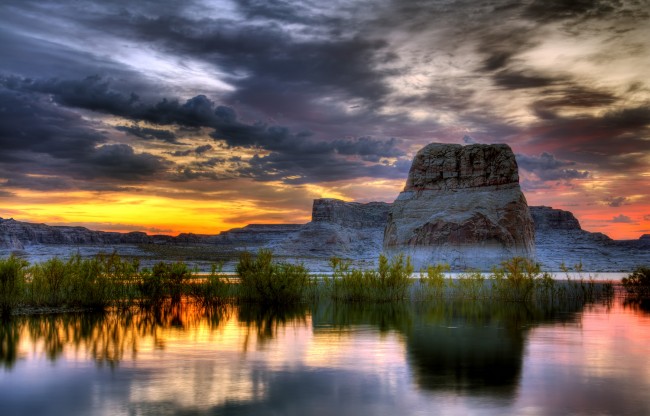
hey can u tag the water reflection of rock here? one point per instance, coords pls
(462, 346)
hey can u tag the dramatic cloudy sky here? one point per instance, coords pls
(173, 116)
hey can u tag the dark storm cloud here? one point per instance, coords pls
(198, 151)
(548, 168)
(549, 10)
(38, 137)
(119, 161)
(95, 93)
(615, 141)
(304, 76)
(345, 66)
(149, 133)
(31, 124)
(316, 168)
(570, 96)
(513, 80)
(202, 149)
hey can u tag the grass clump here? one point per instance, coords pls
(12, 283)
(265, 281)
(391, 280)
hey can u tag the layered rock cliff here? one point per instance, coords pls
(339, 229)
(16, 235)
(461, 205)
(560, 239)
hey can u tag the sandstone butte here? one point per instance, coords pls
(461, 205)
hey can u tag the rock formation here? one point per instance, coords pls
(256, 235)
(344, 229)
(461, 205)
(16, 235)
(560, 239)
(341, 229)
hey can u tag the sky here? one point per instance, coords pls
(200, 116)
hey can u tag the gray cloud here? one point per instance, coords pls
(548, 168)
(149, 133)
(38, 137)
(616, 202)
(622, 219)
(323, 91)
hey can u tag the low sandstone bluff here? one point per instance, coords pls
(341, 229)
(461, 205)
(560, 239)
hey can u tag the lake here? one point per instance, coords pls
(444, 357)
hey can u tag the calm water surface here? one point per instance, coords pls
(424, 358)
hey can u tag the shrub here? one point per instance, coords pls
(390, 282)
(48, 286)
(516, 279)
(12, 283)
(433, 281)
(164, 280)
(75, 282)
(264, 281)
(469, 285)
(123, 275)
(638, 282)
(87, 285)
(214, 289)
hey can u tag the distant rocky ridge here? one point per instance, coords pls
(339, 228)
(16, 235)
(461, 205)
(558, 238)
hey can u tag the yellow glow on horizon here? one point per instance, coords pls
(129, 212)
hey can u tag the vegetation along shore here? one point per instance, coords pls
(112, 281)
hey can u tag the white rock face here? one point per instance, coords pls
(461, 205)
(339, 229)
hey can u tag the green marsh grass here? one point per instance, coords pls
(391, 281)
(265, 281)
(110, 281)
(12, 283)
(163, 281)
(77, 282)
(433, 282)
(214, 289)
